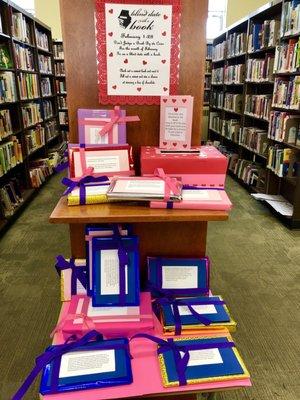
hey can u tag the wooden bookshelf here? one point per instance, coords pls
(289, 187)
(9, 42)
(207, 89)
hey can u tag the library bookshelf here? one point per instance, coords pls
(207, 88)
(245, 73)
(29, 128)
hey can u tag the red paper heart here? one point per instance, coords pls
(164, 33)
(176, 109)
(111, 11)
(165, 100)
(174, 100)
(114, 87)
(111, 54)
(163, 61)
(184, 145)
(138, 89)
(174, 144)
(184, 100)
(165, 16)
(165, 143)
(110, 33)
(126, 61)
(165, 89)
(144, 62)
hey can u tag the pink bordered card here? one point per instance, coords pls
(176, 116)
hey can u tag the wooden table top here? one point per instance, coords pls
(127, 212)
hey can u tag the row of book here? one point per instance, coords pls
(42, 41)
(58, 51)
(263, 35)
(233, 102)
(35, 138)
(283, 161)
(207, 83)
(7, 87)
(51, 130)
(46, 86)
(217, 99)
(215, 121)
(6, 128)
(260, 69)
(45, 64)
(231, 129)
(290, 18)
(217, 76)
(28, 86)
(63, 117)
(284, 127)
(254, 139)
(287, 56)
(39, 170)
(61, 86)
(10, 155)
(11, 197)
(48, 108)
(219, 51)
(207, 67)
(62, 102)
(258, 106)
(234, 74)
(59, 68)
(21, 27)
(236, 44)
(5, 58)
(24, 57)
(31, 114)
(287, 92)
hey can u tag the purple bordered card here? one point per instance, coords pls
(176, 116)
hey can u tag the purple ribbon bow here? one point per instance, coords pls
(72, 184)
(54, 353)
(181, 362)
(78, 273)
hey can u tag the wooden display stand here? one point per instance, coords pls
(161, 232)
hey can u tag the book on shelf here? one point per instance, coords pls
(5, 58)
(10, 155)
(35, 138)
(24, 57)
(208, 66)
(233, 102)
(58, 50)
(7, 87)
(60, 69)
(290, 18)
(31, 114)
(5, 124)
(21, 27)
(230, 129)
(205, 98)
(61, 86)
(48, 108)
(11, 196)
(209, 50)
(234, 74)
(254, 139)
(260, 69)
(51, 129)
(45, 64)
(39, 170)
(215, 122)
(217, 75)
(42, 41)
(284, 127)
(258, 106)
(62, 101)
(263, 35)
(28, 85)
(281, 160)
(219, 51)
(287, 92)
(236, 44)
(207, 82)
(1, 27)
(46, 86)
(217, 99)
(63, 118)
(287, 56)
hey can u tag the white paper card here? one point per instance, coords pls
(179, 277)
(204, 357)
(175, 123)
(145, 186)
(96, 138)
(200, 195)
(78, 363)
(110, 273)
(200, 309)
(103, 163)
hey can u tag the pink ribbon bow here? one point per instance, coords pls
(87, 321)
(116, 118)
(171, 184)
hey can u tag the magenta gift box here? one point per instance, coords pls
(204, 166)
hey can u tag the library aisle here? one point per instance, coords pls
(258, 261)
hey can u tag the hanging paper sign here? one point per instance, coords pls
(137, 49)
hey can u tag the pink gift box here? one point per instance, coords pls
(111, 327)
(204, 166)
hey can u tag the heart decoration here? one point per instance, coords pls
(165, 16)
(176, 109)
(174, 144)
(110, 33)
(164, 33)
(174, 100)
(165, 143)
(165, 89)
(139, 89)
(114, 87)
(165, 100)
(145, 62)
(184, 100)
(126, 61)
(163, 61)
(111, 54)
(184, 145)
(111, 11)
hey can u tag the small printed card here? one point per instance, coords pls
(176, 116)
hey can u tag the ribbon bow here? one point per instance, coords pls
(54, 353)
(116, 118)
(181, 361)
(87, 321)
(81, 184)
(171, 184)
(78, 273)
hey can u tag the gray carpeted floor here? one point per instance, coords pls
(255, 266)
